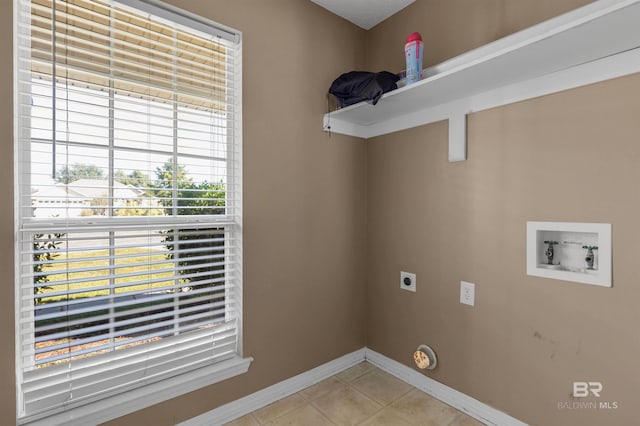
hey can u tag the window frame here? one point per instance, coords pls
(117, 405)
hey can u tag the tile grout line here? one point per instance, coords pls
(383, 405)
(322, 413)
(369, 371)
(309, 404)
(349, 385)
(282, 414)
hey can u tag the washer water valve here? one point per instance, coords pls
(590, 258)
(549, 253)
(425, 358)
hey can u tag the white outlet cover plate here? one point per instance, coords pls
(412, 277)
(467, 293)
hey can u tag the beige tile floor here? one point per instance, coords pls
(361, 395)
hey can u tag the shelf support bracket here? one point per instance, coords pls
(457, 137)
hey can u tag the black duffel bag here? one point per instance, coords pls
(357, 86)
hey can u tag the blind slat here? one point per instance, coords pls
(86, 367)
(84, 37)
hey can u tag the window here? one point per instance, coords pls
(129, 185)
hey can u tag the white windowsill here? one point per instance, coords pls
(137, 399)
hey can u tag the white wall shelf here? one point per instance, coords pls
(594, 43)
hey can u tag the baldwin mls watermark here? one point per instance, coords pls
(587, 390)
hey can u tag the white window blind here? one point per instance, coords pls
(129, 198)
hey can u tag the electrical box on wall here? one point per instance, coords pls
(579, 252)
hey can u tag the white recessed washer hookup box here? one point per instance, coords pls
(569, 251)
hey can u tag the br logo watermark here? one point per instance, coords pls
(586, 390)
(583, 389)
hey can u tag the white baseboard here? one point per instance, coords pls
(458, 400)
(264, 397)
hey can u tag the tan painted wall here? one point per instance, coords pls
(7, 336)
(572, 156)
(316, 206)
(304, 202)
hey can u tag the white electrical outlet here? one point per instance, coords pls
(467, 293)
(408, 281)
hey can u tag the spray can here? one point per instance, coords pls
(413, 54)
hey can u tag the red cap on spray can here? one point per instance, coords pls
(414, 37)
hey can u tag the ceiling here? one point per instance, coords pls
(364, 13)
